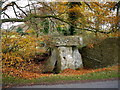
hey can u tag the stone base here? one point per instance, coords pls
(63, 58)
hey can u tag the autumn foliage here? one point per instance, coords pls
(19, 51)
(67, 72)
(95, 21)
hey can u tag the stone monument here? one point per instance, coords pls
(65, 54)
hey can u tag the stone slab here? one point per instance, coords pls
(67, 41)
(64, 58)
(77, 58)
(50, 64)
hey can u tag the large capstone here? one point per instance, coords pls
(65, 54)
(67, 41)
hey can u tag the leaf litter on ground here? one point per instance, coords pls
(67, 72)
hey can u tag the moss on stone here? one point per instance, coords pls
(101, 55)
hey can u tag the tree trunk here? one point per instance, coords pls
(72, 15)
(0, 13)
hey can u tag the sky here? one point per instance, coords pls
(10, 12)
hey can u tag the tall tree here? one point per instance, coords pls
(72, 15)
(88, 16)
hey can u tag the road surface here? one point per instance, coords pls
(95, 84)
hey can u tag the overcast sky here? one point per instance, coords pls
(10, 12)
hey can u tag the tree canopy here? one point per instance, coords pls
(75, 16)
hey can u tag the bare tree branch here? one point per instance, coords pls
(6, 14)
(28, 17)
(14, 11)
(19, 8)
(89, 6)
(50, 16)
(8, 5)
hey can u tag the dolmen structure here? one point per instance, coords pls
(65, 54)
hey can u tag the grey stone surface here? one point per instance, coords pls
(50, 64)
(65, 54)
(66, 58)
(67, 41)
(63, 58)
(103, 54)
(77, 58)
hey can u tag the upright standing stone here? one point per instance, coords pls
(65, 55)
(77, 57)
(50, 64)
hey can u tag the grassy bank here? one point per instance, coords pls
(14, 81)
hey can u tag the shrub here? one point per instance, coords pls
(19, 51)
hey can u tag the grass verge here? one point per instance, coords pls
(8, 81)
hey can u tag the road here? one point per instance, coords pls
(98, 84)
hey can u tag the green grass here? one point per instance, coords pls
(10, 80)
